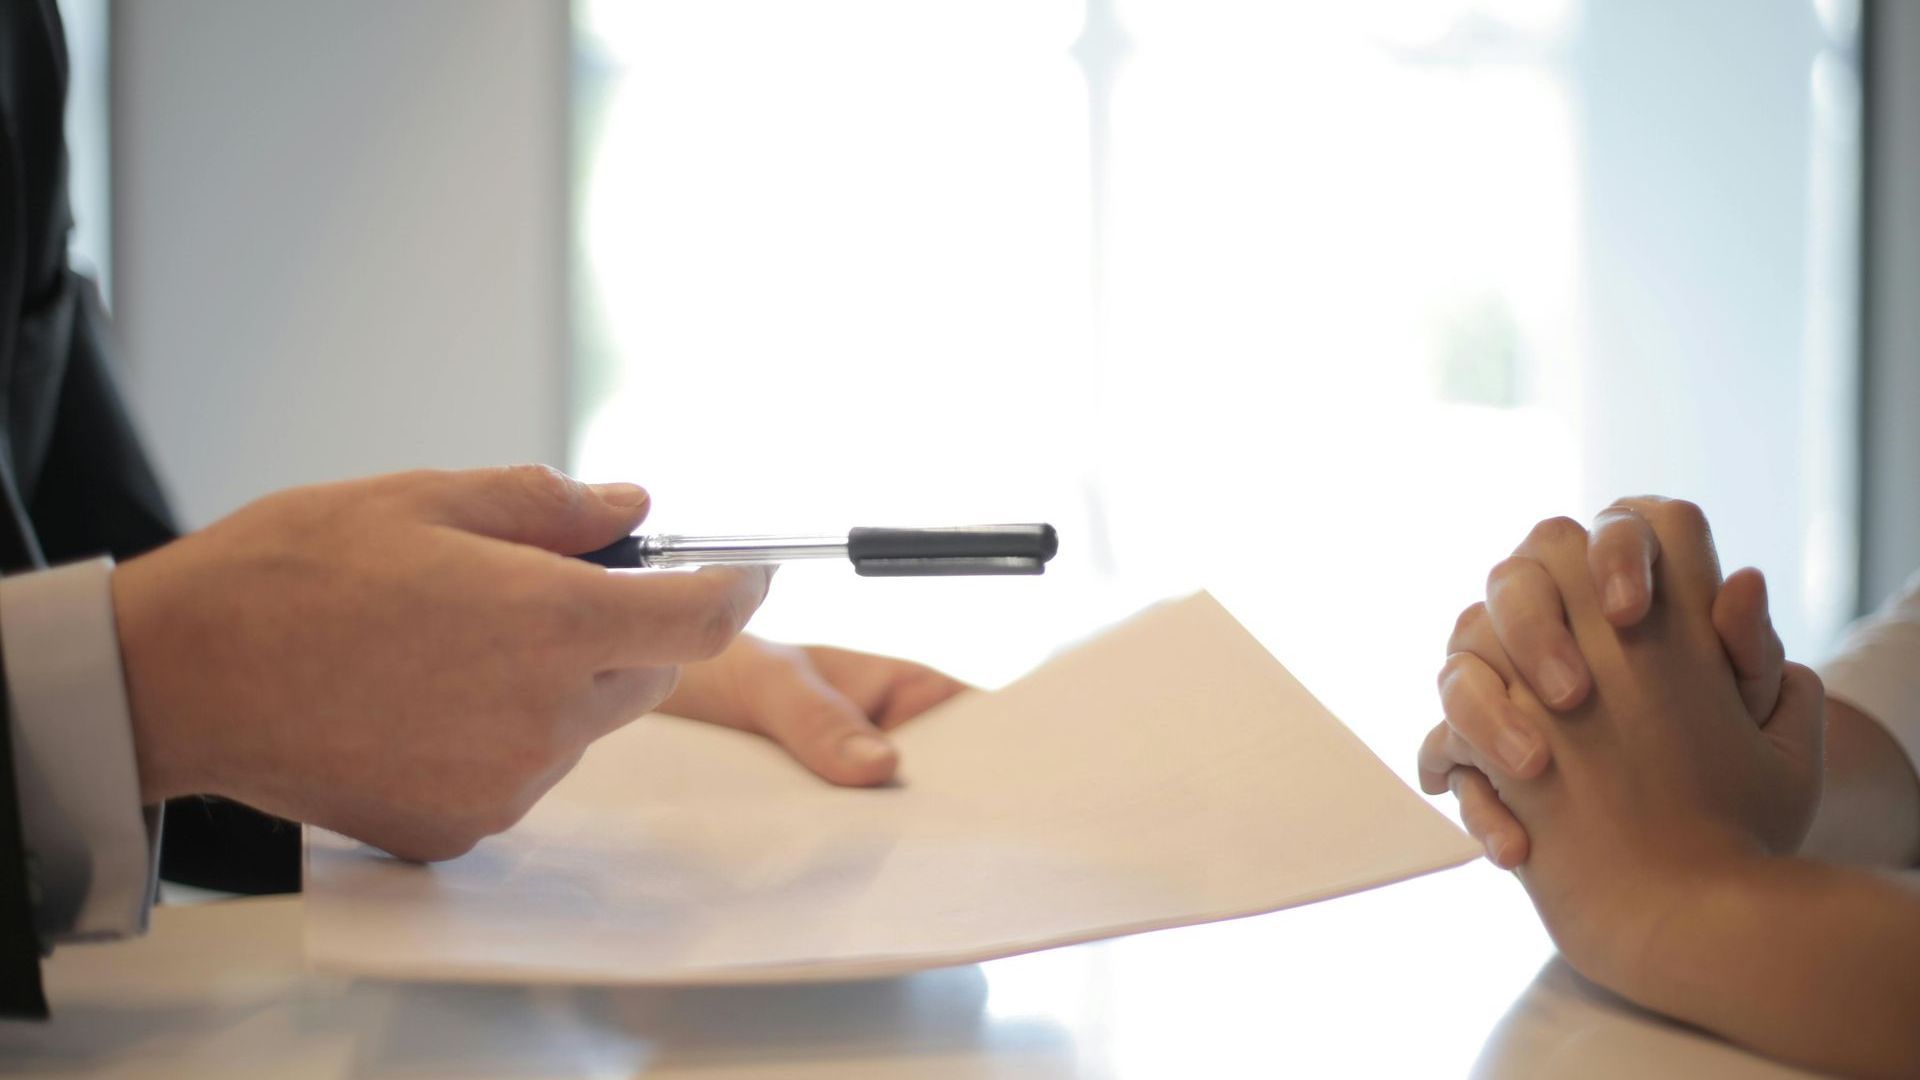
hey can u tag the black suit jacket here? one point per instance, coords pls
(74, 481)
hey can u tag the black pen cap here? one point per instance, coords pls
(979, 549)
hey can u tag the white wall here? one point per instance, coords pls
(339, 237)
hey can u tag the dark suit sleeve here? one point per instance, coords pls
(21, 993)
(95, 492)
(98, 493)
(66, 497)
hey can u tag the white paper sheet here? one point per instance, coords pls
(1168, 772)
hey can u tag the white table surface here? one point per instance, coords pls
(1353, 987)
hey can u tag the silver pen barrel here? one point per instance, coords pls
(666, 551)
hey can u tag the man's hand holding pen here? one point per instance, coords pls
(413, 661)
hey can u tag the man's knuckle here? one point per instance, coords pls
(553, 739)
(640, 690)
(550, 621)
(708, 634)
(448, 844)
(718, 625)
(545, 484)
(566, 617)
(487, 810)
(500, 816)
(527, 744)
(658, 686)
(515, 758)
(408, 484)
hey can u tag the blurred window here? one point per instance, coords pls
(1317, 305)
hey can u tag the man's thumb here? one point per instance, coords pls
(540, 506)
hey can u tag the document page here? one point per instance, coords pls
(1168, 772)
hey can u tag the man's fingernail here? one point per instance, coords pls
(1516, 749)
(864, 751)
(1495, 849)
(628, 495)
(1619, 596)
(1556, 679)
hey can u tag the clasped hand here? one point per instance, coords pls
(1621, 724)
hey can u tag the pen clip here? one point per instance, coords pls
(946, 552)
(947, 567)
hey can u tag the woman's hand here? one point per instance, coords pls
(1525, 618)
(827, 707)
(1660, 779)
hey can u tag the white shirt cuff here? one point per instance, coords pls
(92, 852)
(1877, 669)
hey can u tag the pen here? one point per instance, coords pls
(943, 552)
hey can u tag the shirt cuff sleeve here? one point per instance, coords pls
(1877, 669)
(92, 851)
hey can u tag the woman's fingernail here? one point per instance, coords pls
(1620, 594)
(864, 751)
(1556, 679)
(1516, 749)
(1495, 848)
(627, 495)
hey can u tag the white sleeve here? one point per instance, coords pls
(92, 851)
(1877, 669)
